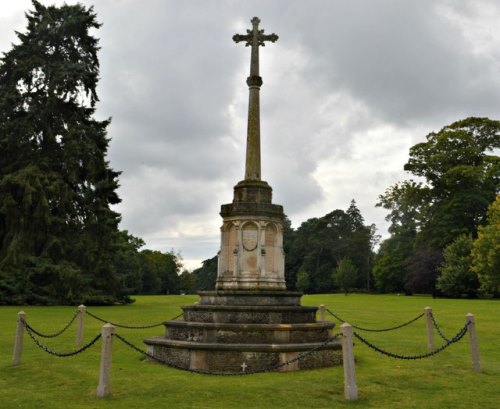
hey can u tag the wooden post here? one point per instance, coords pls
(350, 387)
(107, 332)
(430, 327)
(18, 343)
(474, 346)
(322, 312)
(80, 324)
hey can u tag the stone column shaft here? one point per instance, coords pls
(252, 164)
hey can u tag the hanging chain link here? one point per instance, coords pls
(453, 340)
(446, 339)
(251, 372)
(132, 326)
(378, 330)
(30, 332)
(56, 334)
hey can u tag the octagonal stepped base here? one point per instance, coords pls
(235, 331)
(225, 333)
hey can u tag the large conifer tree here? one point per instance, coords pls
(57, 231)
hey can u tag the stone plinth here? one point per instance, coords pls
(259, 329)
(251, 256)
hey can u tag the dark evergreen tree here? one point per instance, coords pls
(58, 234)
(319, 244)
(206, 275)
(160, 272)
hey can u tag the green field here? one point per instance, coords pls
(443, 381)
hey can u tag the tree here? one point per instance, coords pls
(206, 275)
(456, 276)
(320, 243)
(390, 263)
(486, 251)
(160, 272)
(422, 271)
(462, 176)
(187, 282)
(345, 275)
(303, 281)
(58, 234)
(127, 262)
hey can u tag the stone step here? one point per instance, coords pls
(249, 314)
(226, 297)
(297, 347)
(249, 333)
(237, 358)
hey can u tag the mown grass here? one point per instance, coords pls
(443, 381)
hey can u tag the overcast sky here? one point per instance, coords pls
(348, 88)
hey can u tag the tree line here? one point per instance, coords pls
(444, 225)
(60, 241)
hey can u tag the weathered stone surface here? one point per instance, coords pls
(251, 322)
(249, 314)
(228, 336)
(228, 358)
(248, 333)
(250, 298)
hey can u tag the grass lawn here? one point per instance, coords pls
(443, 381)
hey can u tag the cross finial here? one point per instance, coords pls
(255, 38)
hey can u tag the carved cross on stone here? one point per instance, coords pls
(243, 367)
(255, 38)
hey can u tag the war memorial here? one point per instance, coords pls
(251, 322)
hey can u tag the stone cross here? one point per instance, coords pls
(243, 367)
(254, 38)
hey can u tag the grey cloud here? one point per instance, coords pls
(174, 84)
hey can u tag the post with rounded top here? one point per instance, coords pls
(103, 389)
(474, 346)
(18, 343)
(80, 324)
(430, 327)
(322, 312)
(350, 387)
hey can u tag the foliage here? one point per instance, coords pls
(486, 251)
(187, 282)
(422, 271)
(456, 277)
(160, 272)
(319, 245)
(206, 275)
(127, 261)
(460, 177)
(303, 281)
(59, 239)
(345, 275)
(391, 261)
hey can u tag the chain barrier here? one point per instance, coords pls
(453, 340)
(377, 330)
(31, 333)
(446, 339)
(251, 372)
(132, 326)
(56, 334)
